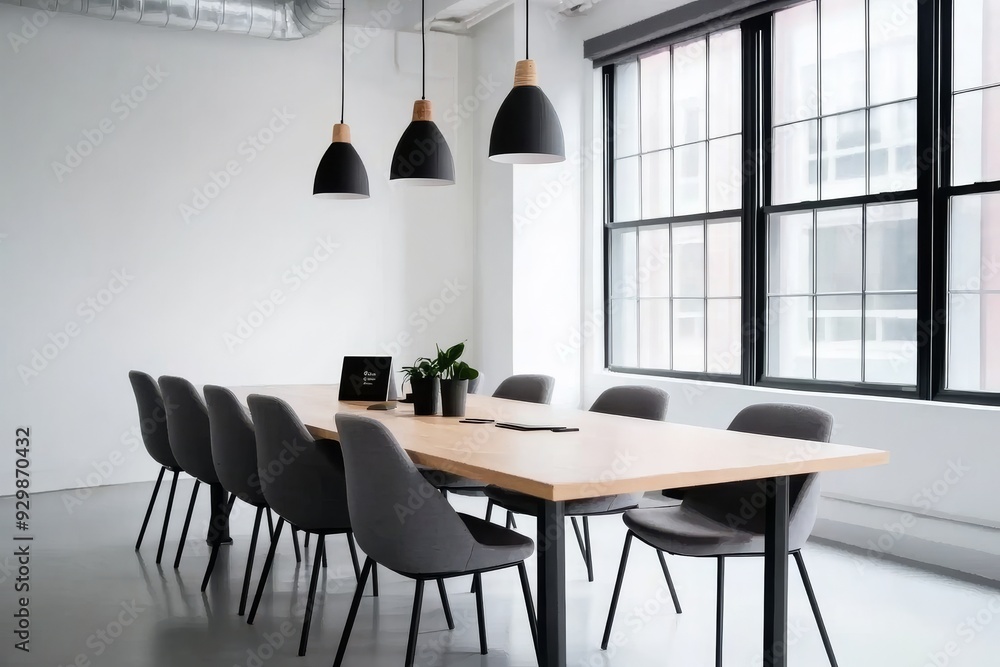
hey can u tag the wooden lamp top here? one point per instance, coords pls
(525, 73)
(341, 133)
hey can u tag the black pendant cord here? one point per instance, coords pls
(527, 11)
(343, 57)
(423, 55)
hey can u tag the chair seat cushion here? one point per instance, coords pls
(455, 483)
(525, 504)
(684, 532)
(496, 546)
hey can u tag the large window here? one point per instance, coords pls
(675, 230)
(810, 198)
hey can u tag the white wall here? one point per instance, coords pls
(918, 507)
(399, 279)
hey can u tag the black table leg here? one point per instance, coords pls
(551, 546)
(218, 526)
(776, 573)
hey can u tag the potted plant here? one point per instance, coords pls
(455, 376)
(423, 378)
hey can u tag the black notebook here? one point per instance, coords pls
(528, 427)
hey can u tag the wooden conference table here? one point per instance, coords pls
(608, 455)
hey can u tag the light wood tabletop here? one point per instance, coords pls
(608, 455)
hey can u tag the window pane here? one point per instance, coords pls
(724, 258)
(655, 77)
(893, 152)
(838, 338)
(795, 163)
(656, 185)
(689, 259)
(725, 103)
(973, 329)
(724, 326)
(654, 333)
(654, 261)
(789, 337)
(690, 86)
(892, 50)
(623, 263)
(843, 65)
(796, 93)
(690, 179)
(976, 61)
(725, 180)
(891, 247)
(627, 189)
(689, 335)
(790, 251)
(844, 158)
(623, 333)
(839, 243)
(890, 339)
(974, 252)
(976, 137)
(627, 109)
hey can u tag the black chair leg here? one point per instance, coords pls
(307, 541)
(477, 581)
(374, 579)
(166, 518)
(670, 581)
(510, 520)
(295, 543)
(445, 604)
(187, 524)
(815, 607)
(265, 571)
(211, 565)
(354, 556)
(489, 510)
(617, 593)
(589, 551)
(311, 600)
(149, 510)
(411, 643)
(250, 555)
(322, 538)
(270, 524)
(529, 605)
(513, 520)
(353, 613)
(720, 594)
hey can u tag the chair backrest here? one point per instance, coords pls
(187, 426)
(302, 477)
(633, 401)
(527, 388)
(152, 418)
(234, 445)
(399, 518)
(741, 504)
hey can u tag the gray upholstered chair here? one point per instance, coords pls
(153, 427)
(703, 524)
(527, 388)
(190, 441)
(234, 450)
(302, 479)
(422, 540)
(626, 401)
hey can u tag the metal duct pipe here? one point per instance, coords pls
(271, 19)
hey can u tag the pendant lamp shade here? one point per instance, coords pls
(341, 173)
(526, 129)
(422, 156)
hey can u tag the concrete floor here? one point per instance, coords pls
(94, 601)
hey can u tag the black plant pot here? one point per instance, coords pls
(425, 395)
(453, 393)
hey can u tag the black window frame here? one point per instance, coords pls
(933, 195)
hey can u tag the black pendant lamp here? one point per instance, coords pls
(527, 129)
(422, 156)
(341, 173)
